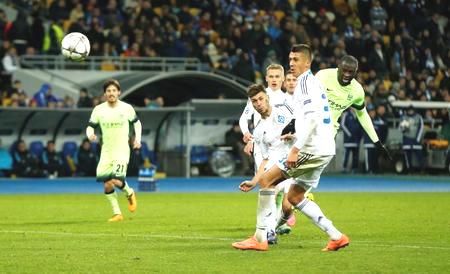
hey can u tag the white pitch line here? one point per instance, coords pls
(115, 235)
(189, 237)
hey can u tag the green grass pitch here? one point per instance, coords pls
(192, 233)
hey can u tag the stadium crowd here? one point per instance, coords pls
(403, 47)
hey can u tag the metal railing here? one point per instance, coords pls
(111, 63)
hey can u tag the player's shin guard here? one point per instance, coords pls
(313, 211)
(112, 198)
(265, 214)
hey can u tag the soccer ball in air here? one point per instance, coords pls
(75, 46)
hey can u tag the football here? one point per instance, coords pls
(75, 46)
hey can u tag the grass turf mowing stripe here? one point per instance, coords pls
(186, 237)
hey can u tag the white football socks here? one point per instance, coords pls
(112, 198)
(127, 189)
(265, 213)
(313, 211)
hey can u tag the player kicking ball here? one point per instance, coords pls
(313, 149)
(114, 117)
(267, 137)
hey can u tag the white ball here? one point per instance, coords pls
(75, 46)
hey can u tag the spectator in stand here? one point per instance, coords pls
(85, 100)
(10, 64)
(3, 24)
(86, 159)
(24, 101)
(378, 60)
(97, 100)
(395, 45)
(38, 32)
(6, 162)
(20, 32)
(411, 125)
(44, 96)
(16, 88)
(353, 133)
(51, 161)
(378, 17)
(233, 139)
(153, 104)
(244, 67)
(68, 102)
(381, 127)
(24, 163)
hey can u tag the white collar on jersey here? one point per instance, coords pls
(304, 74)
(268, 89)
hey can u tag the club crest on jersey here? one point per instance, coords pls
(281, 119)
(349, 97)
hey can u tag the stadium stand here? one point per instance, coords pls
(403, 46)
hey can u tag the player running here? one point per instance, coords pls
(114, 117)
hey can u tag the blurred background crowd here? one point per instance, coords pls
(403, 46)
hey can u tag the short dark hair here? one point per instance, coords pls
(255, 89)
(109, 82)
(303, 48)
(83, 89)
(349, 59)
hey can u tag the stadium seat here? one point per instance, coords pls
(199, 155)
(148, 154)
(36, 148)
(69, 152)
(69, 149)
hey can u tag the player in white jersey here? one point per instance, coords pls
(313, 149)
(274, 79)
(290, 81)
(267, 137)
(114, 117)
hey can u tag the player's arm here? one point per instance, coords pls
(137, 129)
(246, 186)
(249, 185)
(243, 122)
(366, 122)
(344, 125)
(92, 125)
